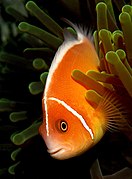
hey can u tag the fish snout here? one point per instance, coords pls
(60, 152)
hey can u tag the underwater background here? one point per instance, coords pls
(30, 34)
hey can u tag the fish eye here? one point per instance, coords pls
(63, 126)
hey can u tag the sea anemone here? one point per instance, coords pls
(25, 57)
(113, 43)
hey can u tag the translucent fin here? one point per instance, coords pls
(96, 167)
(125, 173)
(113, 110)
(81, 30)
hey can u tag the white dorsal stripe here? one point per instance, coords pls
(46, 113)
(62, 50)
(75, 113)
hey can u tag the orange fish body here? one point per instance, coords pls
(68, 126)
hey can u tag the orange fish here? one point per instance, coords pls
(70, 124)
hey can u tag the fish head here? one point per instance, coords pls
(64, 131)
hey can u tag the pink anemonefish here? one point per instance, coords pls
(70, 124)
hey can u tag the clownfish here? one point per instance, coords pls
(70, 124)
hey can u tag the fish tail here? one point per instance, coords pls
(114, 112)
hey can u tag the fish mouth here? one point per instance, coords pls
(55, 153)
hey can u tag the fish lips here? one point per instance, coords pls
(56, 153)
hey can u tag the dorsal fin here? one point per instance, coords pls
(81, 30)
